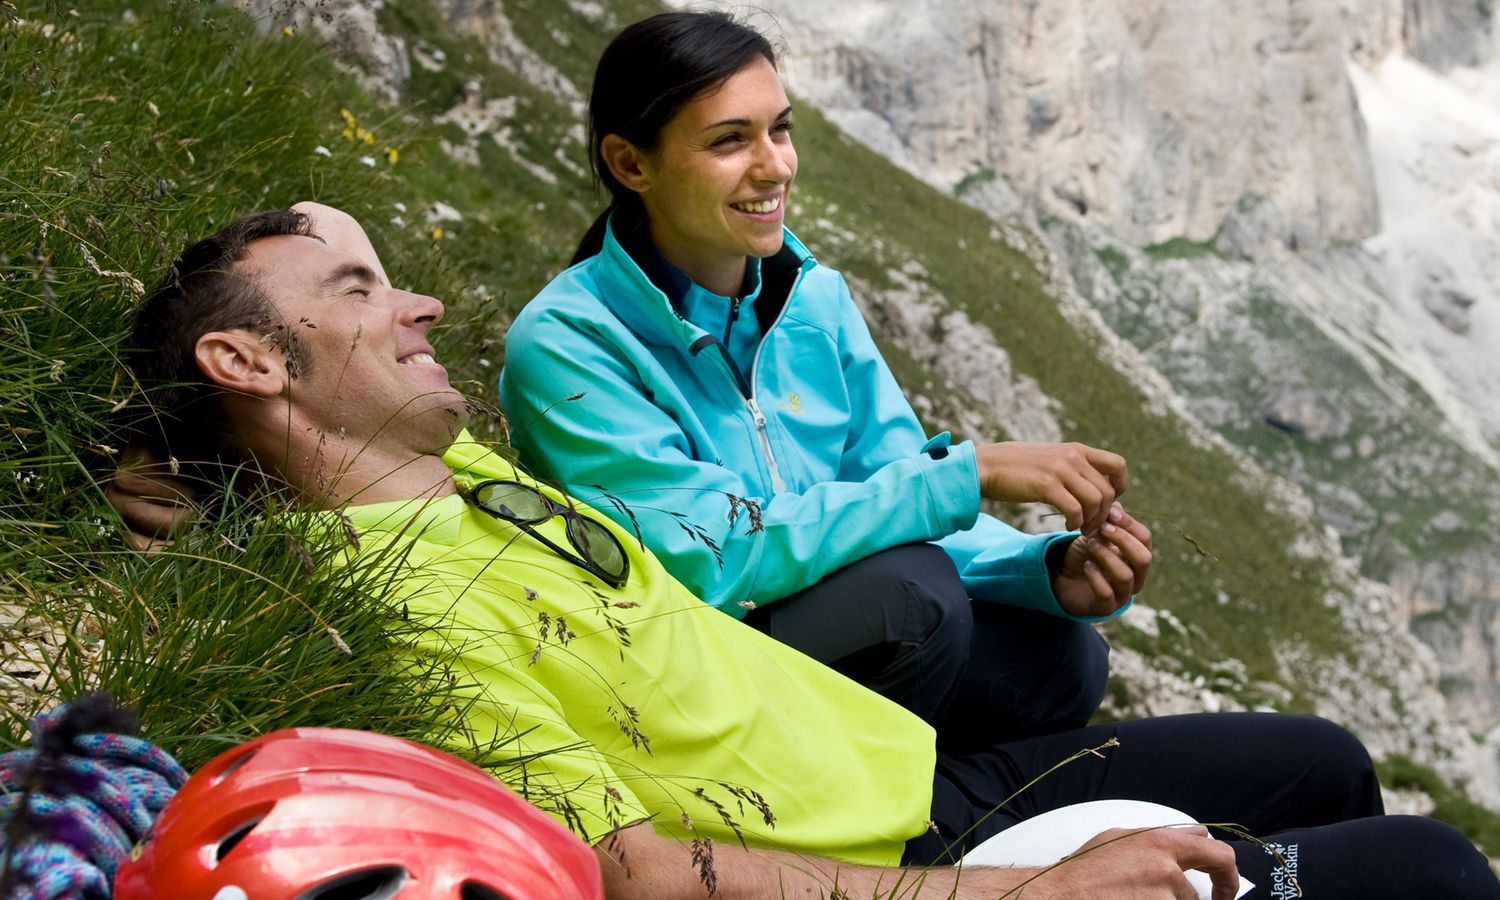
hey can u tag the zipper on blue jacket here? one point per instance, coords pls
(778, 484)
(747, 396)
(747, 386)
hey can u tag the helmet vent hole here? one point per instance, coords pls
(367, 884)
(234, 766)
(472, 891)
(233, 839)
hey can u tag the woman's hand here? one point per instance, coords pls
(1101, 573)
(153, 500)
(1075, 479)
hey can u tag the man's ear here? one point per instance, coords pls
(241, 362)
(625, 161)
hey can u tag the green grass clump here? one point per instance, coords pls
(1180, 248)
(1480, 825)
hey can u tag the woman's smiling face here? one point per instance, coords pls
(715, 187)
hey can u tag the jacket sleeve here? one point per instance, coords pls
(998, 563)
(580, 415)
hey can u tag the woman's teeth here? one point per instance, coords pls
(758, 206)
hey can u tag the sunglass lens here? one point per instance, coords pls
(516, 502)
(599, 546)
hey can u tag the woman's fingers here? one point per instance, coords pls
(1131, 542)
(1117, 574)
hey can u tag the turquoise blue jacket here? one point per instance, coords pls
(753, 478)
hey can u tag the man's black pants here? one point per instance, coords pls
(900, 623)
(1301, 784)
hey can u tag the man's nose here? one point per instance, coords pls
(420, 309)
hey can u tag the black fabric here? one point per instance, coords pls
(777, 275)
(1300, 783)
(1263, 771)
(900, 623)
(1380, 858)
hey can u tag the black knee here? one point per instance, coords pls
(1338, 781)
(1072, 687)
(942, 614)
(1086, 662)
(1450, 866)
(1394, 857)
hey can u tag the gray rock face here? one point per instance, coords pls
(1103, 110)
(1439, 33)
(378, 60)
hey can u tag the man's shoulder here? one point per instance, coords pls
(472, 459)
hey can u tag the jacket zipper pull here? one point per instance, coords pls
(777, 484)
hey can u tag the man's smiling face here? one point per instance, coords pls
(358, 362)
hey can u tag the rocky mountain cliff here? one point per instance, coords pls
(1290, 210)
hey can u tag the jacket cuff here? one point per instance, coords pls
(951, 475)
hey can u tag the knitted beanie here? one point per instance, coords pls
(75, 804)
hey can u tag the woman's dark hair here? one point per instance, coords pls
(647, 73)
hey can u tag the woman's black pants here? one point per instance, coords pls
(900, 623)
(1302, 785)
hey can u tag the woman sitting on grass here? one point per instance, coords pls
(718, 383)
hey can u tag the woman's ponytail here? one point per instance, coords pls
(593, 239)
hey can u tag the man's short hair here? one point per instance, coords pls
(202, 292)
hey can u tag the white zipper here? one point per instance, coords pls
(777, 484)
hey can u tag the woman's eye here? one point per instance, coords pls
(784, 127)
(727, 140)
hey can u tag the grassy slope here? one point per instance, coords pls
(119, 140)
(85, 160)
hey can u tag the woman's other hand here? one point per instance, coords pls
(1100, 573)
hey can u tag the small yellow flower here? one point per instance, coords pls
(347, 115)
(348, 133)
(369, 137)
(288, 31)
(437, 232)
(391, 155)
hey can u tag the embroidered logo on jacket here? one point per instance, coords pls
(792, 404)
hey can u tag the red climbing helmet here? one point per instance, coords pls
(333, 814)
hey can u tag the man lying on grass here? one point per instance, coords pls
(694, 753)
